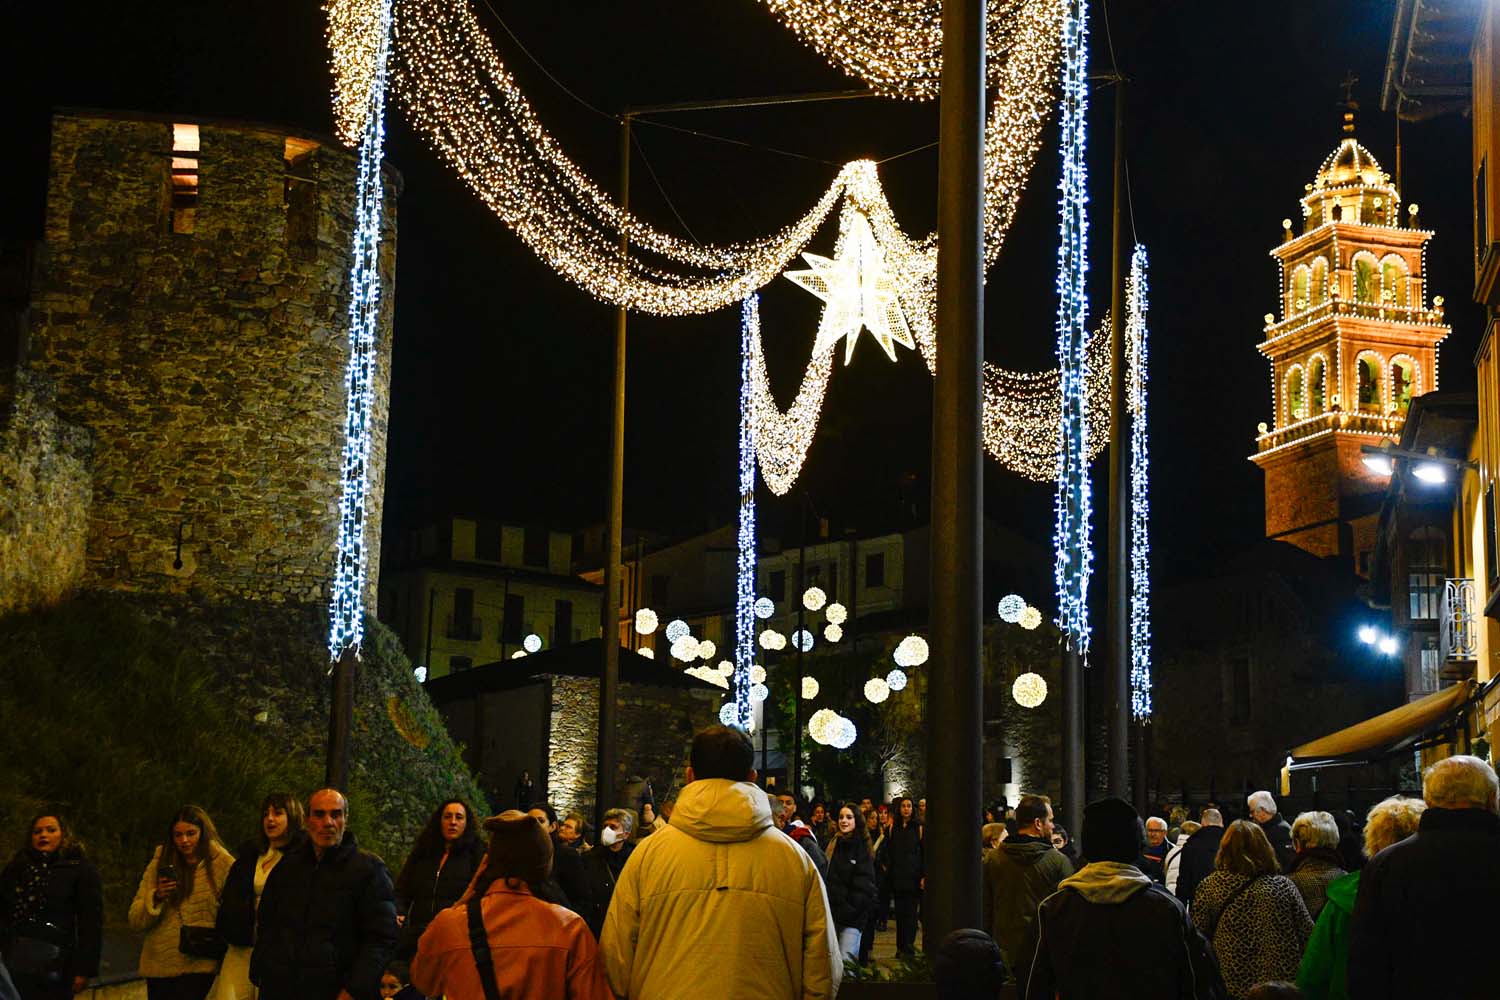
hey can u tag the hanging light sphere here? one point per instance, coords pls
(685, 648)
(420, 674)
(813, 598)
(877, 690)
(706, 649)
(896, 679)
(1029, 690)
(726, 714)
(759, 692)
(1012, 607)
(809, 688)
(533, 643)
(802, 639)
(518, 654)
(676, 629)
(757, 674)
(772, 640)
(645, 621)
(1030, 618)
(821, 726)
(765, 608)
(844, 736)
(911, 652)
(647, 652)
(833, 633)
(726, 667)
(836, 614)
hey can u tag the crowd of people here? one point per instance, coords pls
(763, 896)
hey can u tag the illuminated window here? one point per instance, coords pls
(1364, 280)
(1300, 279)
(1426, 566)
(1317, 384)
(1403, 383)
(1296, 403)
(1319, 291)
(184, 178)
(1369, 384)
(1393, 281)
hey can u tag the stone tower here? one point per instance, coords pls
(1355, 341)
(190, 310)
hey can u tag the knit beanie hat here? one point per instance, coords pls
(520, 847)
(1112, 831)
(968, 966)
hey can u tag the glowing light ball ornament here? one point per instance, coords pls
(810, 688)
(821, 726)
(896, 679)
(845, 736)
(726, 667)
(685, 648)
(645, 621)
(836, 614)
(1012, 607)
(772, 640)
(726, 714)
(1029, 690)
(1030, 618)
(833, 633)
(877, 690)
(706, 649)
(765, 608)
(518, 654)
(647, 652)
(757, 674)
(532, 643)
(420, 674)
(759, 692)
(813, 598)
(911, 652)
(676, 629)
(802, 639)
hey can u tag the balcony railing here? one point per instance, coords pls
(1355, 421)
(1457, 628)
(464, 629)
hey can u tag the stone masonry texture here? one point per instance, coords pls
(209, 365)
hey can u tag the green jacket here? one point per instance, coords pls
(1018, 875)
(1325, 964)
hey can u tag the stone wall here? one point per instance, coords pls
(45, 495)
(655, 734)
(209, 365)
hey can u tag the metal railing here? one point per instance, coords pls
(1457, 626)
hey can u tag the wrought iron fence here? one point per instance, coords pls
(1457, 624)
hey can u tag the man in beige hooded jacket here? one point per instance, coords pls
(720, 900)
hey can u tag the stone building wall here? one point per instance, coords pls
(656, 732)
(209, 365)
(45, 495)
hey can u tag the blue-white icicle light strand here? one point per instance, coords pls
(1073, 554)
(744, 595)
(1137, 302)
(347, 603)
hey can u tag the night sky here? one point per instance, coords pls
(501, 369)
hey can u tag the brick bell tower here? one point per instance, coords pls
(1355, 342)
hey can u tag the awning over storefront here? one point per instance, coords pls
(1409, 727)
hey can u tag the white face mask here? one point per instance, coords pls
(608, 836)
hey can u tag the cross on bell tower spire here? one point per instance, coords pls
(1349, 104)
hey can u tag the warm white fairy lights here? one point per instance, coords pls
(910, 652)
(813, 598)
(726, 667)
(1029, 690)
(833, 633)
(836, 614)
(519, 654)
(896, 679)
(858, 293)
(707, 650)
(362, 32)
(831, 729)
(810, 688)
(772, 640)
(757, 674)
(1138, 356)
(1012, 607)
(647, 652)
(1030, 618)
(746, 607)
(685, 648)
(645, 621)
(1073, 560)
(877, 690)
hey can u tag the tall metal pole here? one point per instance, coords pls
(1074, 752)
(955, 689)
(609, 613)
(794, 767)
(1119, 491)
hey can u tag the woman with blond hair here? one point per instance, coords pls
(177, 905)
(1317, 862)
(1324, 970)
(1254, 916)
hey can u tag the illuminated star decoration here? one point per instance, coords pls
(859, 292)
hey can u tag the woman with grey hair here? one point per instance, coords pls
(1315, 839)
(603, 864)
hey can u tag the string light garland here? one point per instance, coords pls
(1137, 302)
(1073, 558)
(746, 607)
(361, 32)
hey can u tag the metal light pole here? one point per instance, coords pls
(1119, 492)
(955, 696)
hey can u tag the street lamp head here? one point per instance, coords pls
(1368, 635)
(1379, 464)
(1388, 645)
(1433, 473)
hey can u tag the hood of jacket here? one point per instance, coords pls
(1341, 892)
(1024, 850)
(721, 811)
(1106, 882)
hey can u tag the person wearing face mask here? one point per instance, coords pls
(281, 823)
(602, 866)
(51, 913)
(437, 871)
(851, 880)
(177, 905)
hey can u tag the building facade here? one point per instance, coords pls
(1354, 342)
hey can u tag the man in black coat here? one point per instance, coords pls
(1109, 930)
(1419, 897)
(326, 927)
(602, 866)
(1277, 830)
(1198, 855)
(567, 881)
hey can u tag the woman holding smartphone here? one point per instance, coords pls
(176, 905)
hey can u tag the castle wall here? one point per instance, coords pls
(209, 365)
(45, 495)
